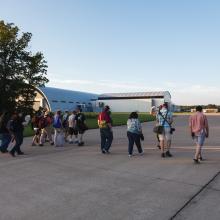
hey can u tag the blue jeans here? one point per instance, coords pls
(106, 138)
(134, 138)
(5, 140)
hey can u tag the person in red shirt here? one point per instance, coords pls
(199, 130)
(105, 125)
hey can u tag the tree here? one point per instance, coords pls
(21, 71)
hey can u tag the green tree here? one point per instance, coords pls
(20, 69)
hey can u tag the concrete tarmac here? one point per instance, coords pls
(81, 183)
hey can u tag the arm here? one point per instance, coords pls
(206, 127)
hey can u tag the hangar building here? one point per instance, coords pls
(54, 99)
(139, 101)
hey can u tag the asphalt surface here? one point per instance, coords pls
(80, 183)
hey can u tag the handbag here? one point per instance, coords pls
(158, 129)
(142, 136)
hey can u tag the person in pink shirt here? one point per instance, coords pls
(199, 130)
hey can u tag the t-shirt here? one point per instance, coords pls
(80, 119)
(134, 125)
(71, 121)
(198, 122)
(104, 119)
(164, 113)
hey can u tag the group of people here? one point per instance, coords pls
(198, 126)
(59, 127)
(69, 127)
(56, 128)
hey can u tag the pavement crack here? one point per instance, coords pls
(194, 196)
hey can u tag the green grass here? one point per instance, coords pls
(91, 120)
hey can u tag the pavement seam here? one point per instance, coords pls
(194, 196)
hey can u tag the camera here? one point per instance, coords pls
(172, 130)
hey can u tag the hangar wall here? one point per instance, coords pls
(129, 105)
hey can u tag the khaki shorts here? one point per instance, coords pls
(166, 135)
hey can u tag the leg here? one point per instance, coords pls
(158, 141)
(109, 137)
(55, 137)
(81, 143)
(42, 136)
(20, 142)
(137, 141)
(49, 134)
(103, 139)
(130, 143)
(168, 141)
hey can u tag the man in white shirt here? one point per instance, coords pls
(72, 128)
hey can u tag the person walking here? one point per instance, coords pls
(72, 128)
(81, 126)
(165, 119)
(16, 128)
(65, 125)
(134, 133)
(153, 112)
(199, 130)
(45, 124)
(105, 126)
(58, 130)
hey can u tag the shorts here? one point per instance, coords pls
(166, 135)
(200, 138)
(72, 131)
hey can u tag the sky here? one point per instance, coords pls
(103, 46)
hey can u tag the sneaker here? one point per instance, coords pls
(20, 153)
(76, 142)
(196, 161)
(168, 154)
(141, 154)
(107, 152)
(81, 144)
(163, 155)
(129, 155)
(103, 151)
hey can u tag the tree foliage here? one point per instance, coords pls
(21, 71)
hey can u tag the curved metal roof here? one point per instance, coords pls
(66, 99)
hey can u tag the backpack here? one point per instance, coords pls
(65, 122)
(42, 123)
(101, 120)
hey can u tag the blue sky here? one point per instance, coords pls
(126, 46)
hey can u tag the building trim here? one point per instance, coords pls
(131, 97)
